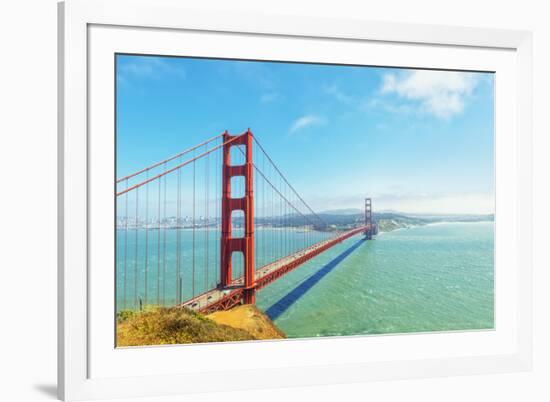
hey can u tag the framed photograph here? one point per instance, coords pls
(252, 201)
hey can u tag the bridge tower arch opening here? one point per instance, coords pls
(245, 244)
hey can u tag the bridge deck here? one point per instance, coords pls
(223, 299)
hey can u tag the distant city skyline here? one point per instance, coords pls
(416, 141)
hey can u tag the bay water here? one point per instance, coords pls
(436, 277)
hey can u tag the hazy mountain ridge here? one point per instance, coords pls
(342, 219)
(389, 221)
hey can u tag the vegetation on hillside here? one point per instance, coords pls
(163, 325)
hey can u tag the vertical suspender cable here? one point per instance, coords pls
(281, 239)
(206, 200)
(136, 272)
(146, 227)
(193, 248)
(218, 218)
(164, 245)
(178, 238)
(264, 233)
(158, 243)
(124, 294)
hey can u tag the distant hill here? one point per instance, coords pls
(389, 221)
(343, 211)
(348, 218)
(454, 217)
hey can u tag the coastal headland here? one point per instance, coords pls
(164, 326)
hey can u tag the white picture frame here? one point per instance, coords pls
(79, 377)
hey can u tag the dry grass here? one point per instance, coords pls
(249, 318)
(162, 326)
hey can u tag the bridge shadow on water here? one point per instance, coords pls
(291, 297)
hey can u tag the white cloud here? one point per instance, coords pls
(307, 121)
(441, 93)
(390, 107)
(338, 94)
(148, 67)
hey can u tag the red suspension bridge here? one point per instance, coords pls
(211, 226)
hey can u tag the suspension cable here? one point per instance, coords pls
(146, 169)
(286, 181)
(158, 176)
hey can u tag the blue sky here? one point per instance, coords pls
(415, 140)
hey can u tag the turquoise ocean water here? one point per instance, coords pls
(429, 278)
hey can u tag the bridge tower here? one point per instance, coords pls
(368, 219)
(230, 244)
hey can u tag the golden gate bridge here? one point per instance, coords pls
(211, 226)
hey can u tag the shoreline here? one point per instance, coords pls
(412, 226)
